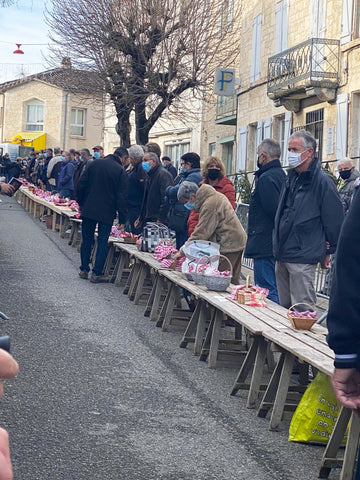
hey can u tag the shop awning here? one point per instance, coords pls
(37, 140)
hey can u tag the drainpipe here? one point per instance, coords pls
(65, 120)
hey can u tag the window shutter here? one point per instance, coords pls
(341, 125)
(267, 128)
(287, 129)
(346, 21)
(242, 144)
(256, 48)
(282, 23)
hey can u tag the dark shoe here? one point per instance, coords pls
(99, 278)
(83, 274)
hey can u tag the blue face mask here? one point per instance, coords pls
(189, 206)
(45, 155)
(182, 169)
(63, 159)
(146, 166)
(96, 154)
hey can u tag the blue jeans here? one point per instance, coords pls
(264, 276)
(88, 231)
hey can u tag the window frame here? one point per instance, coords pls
(76, 124)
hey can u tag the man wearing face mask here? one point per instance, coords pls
(98, 152)
(307, 223)
(348, 174)
(263, 204)
(154, 206)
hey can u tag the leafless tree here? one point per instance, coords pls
(6, 3)
(147, 52)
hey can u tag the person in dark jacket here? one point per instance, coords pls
(15, 168)
(169, 167)
(343, 318)
(44, 179)
(348, 175)
(307, 223)
(101, 193)
(137, 182)
(154, 206)
(85, 160)
(263, 205)
(178, 213)
(66, 176)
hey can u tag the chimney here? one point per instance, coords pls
(66, 62)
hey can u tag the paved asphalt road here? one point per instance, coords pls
(103, 394)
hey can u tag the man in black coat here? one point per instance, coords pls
(101, 193)
(155, 207)
(263, 205)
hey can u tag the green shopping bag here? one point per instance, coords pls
(316, 415)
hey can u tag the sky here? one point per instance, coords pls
(23, 23)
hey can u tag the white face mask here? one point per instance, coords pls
(294, 159)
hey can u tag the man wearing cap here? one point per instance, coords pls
(98, 151)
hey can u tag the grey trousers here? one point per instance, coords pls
(295, 283)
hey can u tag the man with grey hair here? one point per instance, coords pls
(348, 174)
(53, 171)
(137, 181)
(269, 179)
(154, 207)
(307, 223)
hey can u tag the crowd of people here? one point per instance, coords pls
(294, 222)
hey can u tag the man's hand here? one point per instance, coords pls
(137, 223)
(7, 189)
(6, 472)
(325, 264)
(178, 255)
(121, 226)
(346, 385)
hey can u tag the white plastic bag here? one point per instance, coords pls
(199, 248)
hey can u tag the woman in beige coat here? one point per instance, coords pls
(217, 222)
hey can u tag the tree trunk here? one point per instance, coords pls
(141, 124)
(123, 128)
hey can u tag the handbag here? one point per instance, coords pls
(153, 234)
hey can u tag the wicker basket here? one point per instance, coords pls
(216, 283)
(196, 276)
(249, 293)
(301, 323)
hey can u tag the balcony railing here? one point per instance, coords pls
(313, 63)
(226, 110)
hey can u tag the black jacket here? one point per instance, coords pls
(137, 182)
(263, 205)
(154, 205)
(310, 214)
(102, 190)
(343, 318)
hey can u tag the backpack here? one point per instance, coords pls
(55, 172)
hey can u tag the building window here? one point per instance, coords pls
(34, 116)
(256, 49)
(77, 125)
(315, 125)
(176, 151)
(227, 156)
(212, 148)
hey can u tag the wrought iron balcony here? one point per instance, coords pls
(308, 69)
(226, 110)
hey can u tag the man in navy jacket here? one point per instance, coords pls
(307, 223)
(263, 205)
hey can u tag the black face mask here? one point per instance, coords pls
(345, 174)
(213, 173)
(259, 165)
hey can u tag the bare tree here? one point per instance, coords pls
(147, 52)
